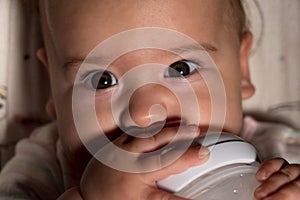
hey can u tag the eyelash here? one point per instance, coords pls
(192, 67)
(93, 79)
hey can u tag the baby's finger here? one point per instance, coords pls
(275, 183)
(269, 167)
(290, 191)
(165, 136)
(191, 157)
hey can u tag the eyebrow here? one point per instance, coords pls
(74, 61)
(195, 47)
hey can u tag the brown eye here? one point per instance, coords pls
(180, 68)
(101, 80)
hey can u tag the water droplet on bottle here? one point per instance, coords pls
(235, 191)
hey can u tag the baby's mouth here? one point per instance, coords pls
(173, 124)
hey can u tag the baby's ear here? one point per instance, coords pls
(245, 50)
(42, 56)
(50, 108)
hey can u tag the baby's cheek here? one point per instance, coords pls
(219, 110)
(234, 116)
(204, 100)
(105, 117)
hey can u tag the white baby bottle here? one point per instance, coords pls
(229, 174)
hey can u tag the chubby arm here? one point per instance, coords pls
(279, 180)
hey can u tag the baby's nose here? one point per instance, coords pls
(149, 104)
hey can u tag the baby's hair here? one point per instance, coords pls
(238, 16)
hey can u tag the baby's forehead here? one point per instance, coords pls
(233, 8)
(81, 25)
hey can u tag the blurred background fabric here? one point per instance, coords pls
(275, 61)
(274, 67)
(23, 81)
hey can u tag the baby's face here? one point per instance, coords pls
(74, 28)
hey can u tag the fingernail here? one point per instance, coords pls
(262, 175)
(203, 152)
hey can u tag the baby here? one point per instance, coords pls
(60, 164)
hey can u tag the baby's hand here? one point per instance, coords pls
(102, 182)
(280, 180)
